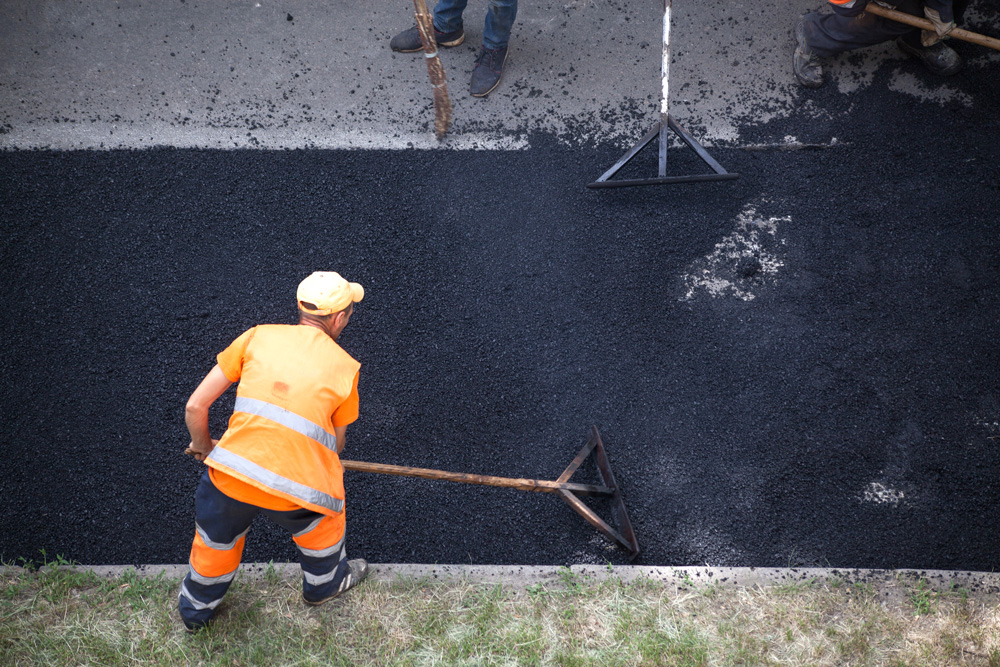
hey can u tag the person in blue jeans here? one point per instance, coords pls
(448, 32)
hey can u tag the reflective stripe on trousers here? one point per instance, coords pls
(221, 524)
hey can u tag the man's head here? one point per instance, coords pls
(326, 301)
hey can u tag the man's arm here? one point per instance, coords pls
(346, 413)
(211, 388)
(942, 15)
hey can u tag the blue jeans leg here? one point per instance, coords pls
(448, 14)
(499, 19)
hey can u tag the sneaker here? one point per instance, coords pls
(940, 58)
(357, 571)
(805, 63)
(488, 70)
(408, 41)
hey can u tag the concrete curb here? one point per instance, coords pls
(521, 576)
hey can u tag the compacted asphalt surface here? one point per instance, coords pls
(796, 368)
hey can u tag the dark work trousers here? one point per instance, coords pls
(854, 28)
(221, 524)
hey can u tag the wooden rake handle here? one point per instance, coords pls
(917, 22)
(541, 485)
(565, 489)
(435, 70)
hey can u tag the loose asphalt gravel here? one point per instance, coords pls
(796, 368)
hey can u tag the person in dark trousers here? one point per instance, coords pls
(448, 32)
(819, 35)
(297, 393)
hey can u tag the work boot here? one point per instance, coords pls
(357, 570)
(408, 41)
(489, 68)
(939, 58)
(192, 627)
(805, 63)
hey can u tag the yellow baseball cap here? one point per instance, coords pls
(326, 292)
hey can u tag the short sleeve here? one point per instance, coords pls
(347, 412)
(231, 359)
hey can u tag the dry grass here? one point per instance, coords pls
(63, 617)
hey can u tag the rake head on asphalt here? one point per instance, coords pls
(621, 533)
(661, 132)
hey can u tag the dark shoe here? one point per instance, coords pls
(408, 41)
(193, 627)
(805, 63)
(940, 58)
(489, 68)
(357, 571)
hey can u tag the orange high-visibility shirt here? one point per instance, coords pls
(295, 385)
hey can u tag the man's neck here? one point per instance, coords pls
(316, 325)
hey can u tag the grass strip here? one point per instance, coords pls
(60, 616)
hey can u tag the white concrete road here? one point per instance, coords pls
(305, 73)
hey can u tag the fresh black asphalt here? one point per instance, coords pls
(846, 415)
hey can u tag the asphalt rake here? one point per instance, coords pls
(570, 492)
(660, 131)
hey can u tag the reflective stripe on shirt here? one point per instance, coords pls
(297, 423)
(272, 481)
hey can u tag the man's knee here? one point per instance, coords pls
(322, 538)
(857, 8)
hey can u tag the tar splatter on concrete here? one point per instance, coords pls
(799, 367)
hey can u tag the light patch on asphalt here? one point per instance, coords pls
(792, 143)
(908, 84)
(741, 262)
(79, 136)
(859, 71)
(853, 73)
(880, 494)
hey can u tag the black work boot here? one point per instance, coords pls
(805, 63)
(489, 68)
(408, 41)
(939, 58)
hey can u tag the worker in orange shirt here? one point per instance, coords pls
(297, 393)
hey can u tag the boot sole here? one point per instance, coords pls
(447, 45)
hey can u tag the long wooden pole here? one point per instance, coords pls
(484, 480)
(442, 103)
(917, 22)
